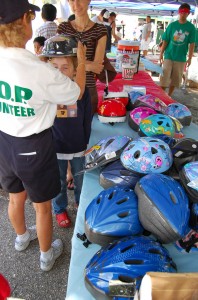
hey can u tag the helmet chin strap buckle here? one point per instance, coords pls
(84, 239)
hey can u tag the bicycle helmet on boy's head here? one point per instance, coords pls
(138, 114)
(147, 155)
(115, 174)
(60, 45)
(105, 151)
(152, 102)
(157, 124)
(116, 271)
(180, 112)
(189, 178)
(163, 207)
(111, 111)
(111, 215)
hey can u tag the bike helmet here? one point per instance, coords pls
(60, 45)
(111, 215)
(151, 101)
(163, 207)
(138, 114)
(115, 174)
(119, 96)
(5, 290)
(115, 272)
(147, 155)
(184, 151)
(111, 111)
(167, 139)
(105, 151)
(156, 124)
(133, 95)
(180, 112)
(189, 178)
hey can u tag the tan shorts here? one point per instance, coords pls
(172, 73)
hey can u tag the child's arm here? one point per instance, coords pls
(80, 74)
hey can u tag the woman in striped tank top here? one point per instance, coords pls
(94, 35)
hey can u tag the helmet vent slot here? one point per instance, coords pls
(154, 251)
(173, 198)
(137, 154)
(127, 248)
(111, 195)
(162, 147)
(122, 201)
(98, 200)
(130, 147)
(124, 278)
(123, 214)
(154, 141)
(153, 150)
(160, 122)
(167, 124)
(133, 262)
(108, 143)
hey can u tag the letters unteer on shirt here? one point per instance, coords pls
(14, 101)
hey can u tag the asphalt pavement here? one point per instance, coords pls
(22, 269)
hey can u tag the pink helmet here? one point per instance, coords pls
(152, 102)
(138, 114)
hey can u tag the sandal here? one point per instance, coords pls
(63, 220)
(70, 184)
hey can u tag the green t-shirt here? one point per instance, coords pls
(178, 36)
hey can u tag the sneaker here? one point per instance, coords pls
(57, 247)
(22, 245)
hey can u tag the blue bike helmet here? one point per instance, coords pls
(115, 174)
(133, 95)
(105, 151)
(180, 112)
(111, 215)
(167, 139)
(189, 178)
(147, 155)
(156, 124)
(163, 207)
(115, 272)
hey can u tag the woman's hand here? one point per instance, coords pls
(94, 66)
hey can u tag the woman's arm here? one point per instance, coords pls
(96, 66)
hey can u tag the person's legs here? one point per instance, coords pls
(44, 224)
(167, 74)
(60, 202)
(171, 90)
(94, 99)
(176, 76)
(16, 211)
(77, 166)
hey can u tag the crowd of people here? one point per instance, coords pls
(42, 146)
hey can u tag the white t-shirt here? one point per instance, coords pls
(96, 20)
(30, 91)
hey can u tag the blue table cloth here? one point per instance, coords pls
(80, 255)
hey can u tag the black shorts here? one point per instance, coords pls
(29, 163)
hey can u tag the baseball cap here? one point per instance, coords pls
(11, 10)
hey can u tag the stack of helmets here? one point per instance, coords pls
(133, 95)
(105, 151)
(138, 114)
(111, 215)
(180, 112)
(163, 207)
(147, 155)
(111, 111)
(116, 174)
(157, 124)
(115, 272)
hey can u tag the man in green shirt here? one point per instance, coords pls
(178, 40)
